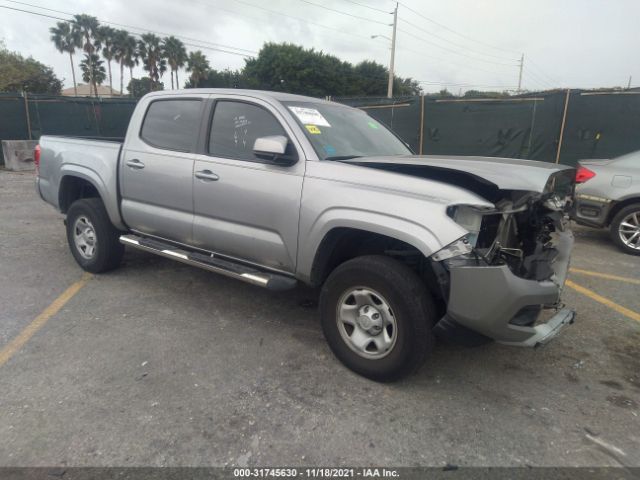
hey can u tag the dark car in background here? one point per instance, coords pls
(608, 195)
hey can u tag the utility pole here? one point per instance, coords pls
(520, 76)
(393, 52)
(629, 83)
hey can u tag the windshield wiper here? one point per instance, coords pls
(343, 157)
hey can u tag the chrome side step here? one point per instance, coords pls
(262, 278)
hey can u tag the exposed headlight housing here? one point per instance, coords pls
(468, 217)
(454, 249)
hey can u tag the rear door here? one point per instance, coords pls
(246, 207)
(156, 171)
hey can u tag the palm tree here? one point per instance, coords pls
(176, 54)
(93, 70)
(106, 38)
(126, 53)
(198, 65)
(150, 51)
(88, 26)
(67, 39)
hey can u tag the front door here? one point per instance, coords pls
(245, 207)
(157, 169)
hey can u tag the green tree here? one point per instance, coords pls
(26, 74)
(176, 54)
(67, 39)
(222, 79)
(370, 78)
(479, 94)
(140, 87)
(107, 40)
(87, 26)
(126, 54)
(444, 93)
(93, 70)
(198, 65)
(150, 51)
(406, 86)
(294, 69)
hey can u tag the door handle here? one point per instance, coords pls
(207, 175)
(135, 163)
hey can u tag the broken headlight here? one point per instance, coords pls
(459, 247)
(468, 217)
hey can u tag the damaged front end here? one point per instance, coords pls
(511, 267)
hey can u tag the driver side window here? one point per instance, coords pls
(235, 127)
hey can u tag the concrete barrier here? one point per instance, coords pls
(18, 154)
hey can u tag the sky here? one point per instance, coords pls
(453, 44)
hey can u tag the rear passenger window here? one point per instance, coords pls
(172, 124)
(235, 127)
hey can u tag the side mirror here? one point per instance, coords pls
(272, 149)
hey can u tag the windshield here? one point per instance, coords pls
(338, 132)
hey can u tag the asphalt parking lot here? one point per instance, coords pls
(162, 364)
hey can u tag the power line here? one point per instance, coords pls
(536, 79)
(202, 43)
(454, 43)
(303, 20)
(542, 72)
(454, 51)
(454, 31)
(368, 6)
(345, 13)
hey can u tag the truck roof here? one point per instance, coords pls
(264, 94)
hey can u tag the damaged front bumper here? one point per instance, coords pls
(490, 301)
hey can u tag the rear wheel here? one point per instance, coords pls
(625, 229)
(377, 317)
(92, 238)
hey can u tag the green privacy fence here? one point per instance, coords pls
(25, 117)
(562, 126)
(553, 126)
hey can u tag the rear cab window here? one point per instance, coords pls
(172, 124)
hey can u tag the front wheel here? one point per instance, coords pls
(377, 317)
(625, 229)
(93, 240)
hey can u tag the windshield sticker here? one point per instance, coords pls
(313, 129)
(310, 116)
(330, 149)
(372, 124)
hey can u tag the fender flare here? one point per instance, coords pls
(412, 233)
(90, 176)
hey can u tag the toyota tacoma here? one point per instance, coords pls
(275, 189)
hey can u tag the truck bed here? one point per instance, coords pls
(95, 160)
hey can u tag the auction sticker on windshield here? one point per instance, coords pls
(309, 116)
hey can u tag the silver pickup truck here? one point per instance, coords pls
(275, 189)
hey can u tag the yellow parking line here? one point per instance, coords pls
(23, 337)
(603, 300)
(635, 281)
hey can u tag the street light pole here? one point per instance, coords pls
(393, 53)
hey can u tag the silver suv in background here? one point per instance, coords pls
(608, 195)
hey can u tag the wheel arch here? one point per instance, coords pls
(619, 206)
(344, 243)
(75, 187)
(81, 182)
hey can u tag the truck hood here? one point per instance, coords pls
(499, 173)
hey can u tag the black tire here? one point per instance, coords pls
(412, 308)
(108, 251)
(615, 227)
